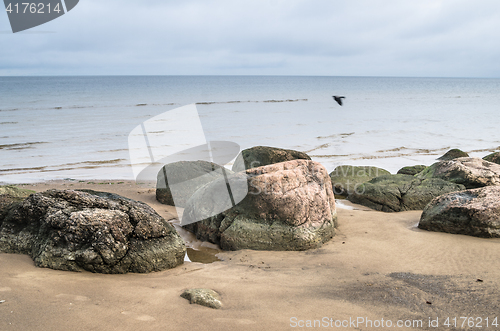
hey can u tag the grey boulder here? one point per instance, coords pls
(176, 182)
(93, 231)
(467, 171)
(346, 178)
(259, 156)
(394, 193)
(473, 212)
(494, 157)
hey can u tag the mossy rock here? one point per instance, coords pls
(394, 193)
(15, 191)
(494, 157)
(473, 212)
(259, 156)
(468, 171)
(453, 154)
(412, 170)
(346, 178)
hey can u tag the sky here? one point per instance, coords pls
(424, 38)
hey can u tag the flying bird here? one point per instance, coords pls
(338, 99)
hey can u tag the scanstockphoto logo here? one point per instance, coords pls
(176, 137)
(24, 15)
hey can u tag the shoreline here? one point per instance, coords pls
(377, 266)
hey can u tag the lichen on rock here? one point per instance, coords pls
(94, 231)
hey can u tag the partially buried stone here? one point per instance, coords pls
(204, 297)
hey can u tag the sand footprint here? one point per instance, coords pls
(144, 318)
(71, 297)
(234, 321)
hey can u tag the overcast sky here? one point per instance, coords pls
(438, 38)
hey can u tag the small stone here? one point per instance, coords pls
(204, 297)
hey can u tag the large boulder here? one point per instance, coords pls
(394, 193)
(179, 180)
(473, 212)
(494, 157)
(262, 155)
(412, 170)
(346, 178)
(468, 171)
(289, 206)
(94, 231)
(453, 154)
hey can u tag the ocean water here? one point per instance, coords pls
(78, 127)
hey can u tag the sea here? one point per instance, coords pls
(79, 127)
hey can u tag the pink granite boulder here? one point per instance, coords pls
(289, 206)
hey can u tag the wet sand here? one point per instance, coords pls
(378, 266)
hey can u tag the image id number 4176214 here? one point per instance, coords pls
(33, 8)
(471, 322)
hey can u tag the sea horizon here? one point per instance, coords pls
(56, 127)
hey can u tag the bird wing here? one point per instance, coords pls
(338, 99)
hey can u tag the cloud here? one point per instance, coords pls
(303, 37)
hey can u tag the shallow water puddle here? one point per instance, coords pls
(197, 250)
(346, 204)
(206, 255)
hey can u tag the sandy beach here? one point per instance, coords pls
(379, 268)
